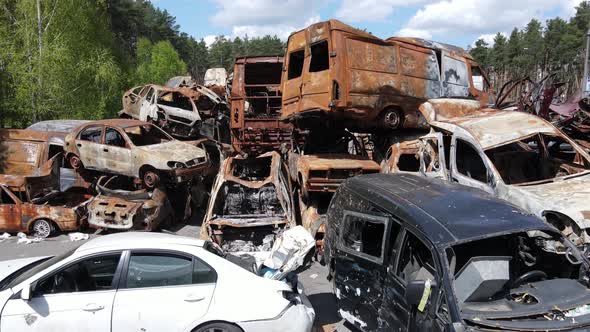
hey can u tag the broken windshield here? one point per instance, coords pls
(536, 158)
(238, 201)
(147, 135)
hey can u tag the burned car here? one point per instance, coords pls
(407, 253)
(179, 111)
(121, 209)
(326, 159)
(335, 72)
(516, 156)
(42, 216)
(250, 204)
(135, 149)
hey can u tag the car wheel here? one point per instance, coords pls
(75, 162)
(392, 118)
(42, 228)
(218, 327)
(150, 179)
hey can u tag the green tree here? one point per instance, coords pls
(481, 52)
(157, 62)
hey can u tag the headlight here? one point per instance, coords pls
(176, 164)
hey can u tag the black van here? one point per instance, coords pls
(409, 253)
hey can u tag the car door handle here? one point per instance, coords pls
(194, 298)
(92, 307)
(78, 144)
(105, 150)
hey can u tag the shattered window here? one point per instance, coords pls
(92, 274)
(364, 234)
(159, 270)
(416, 262)
(536, 158)
(408, 163)
(320, 57)
(469, 162)
(91, 134)
(5, 198)
(478, 80)
(295, 64)
(114, 138)
(150, 95)
(237, 200)
(146, 135)
(175, 99)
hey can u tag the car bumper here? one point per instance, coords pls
(296, 318)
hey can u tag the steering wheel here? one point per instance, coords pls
(534, 274)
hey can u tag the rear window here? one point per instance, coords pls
(320, 57)
(295, 64)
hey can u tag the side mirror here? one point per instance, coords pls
(25, 293)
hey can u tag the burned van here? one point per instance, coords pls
(408, 253)
(363, 82)
(256, 104)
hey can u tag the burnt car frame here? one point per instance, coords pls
(120, 209)
(250, 204)
(401, 260)
(256, 105)
(516, 156)
(136, 149)
(363, 82)
(54, 212)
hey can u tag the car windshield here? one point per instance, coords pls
(238, 201)
(30, 270)
(333, 142)
(147, 135)
(539, 157)
(494, 273)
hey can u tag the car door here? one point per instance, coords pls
(469, 165)
(162, 291)
(149, 108)
(359, 271)
(132, 101)
(292, 77)
(316, 85)
(116, 153)
(432, 157)
(455, 76)
(10, 211)
(88, 144)
(76, 297)
(412, 260)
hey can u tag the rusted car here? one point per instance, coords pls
(250, 204)
(516, 156)
(363, 82)
(256, 105)
(30, 160)
(121, 209)
(326, 159)
(53, 212)
(135, 149)
(179, 111)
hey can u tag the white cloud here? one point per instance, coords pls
(448, 17)
(409, 32)
(488, 38)
(370, 10)
(266, 17)
(210, 39)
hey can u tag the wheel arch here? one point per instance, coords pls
(216, 321)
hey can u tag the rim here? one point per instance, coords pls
(75, 162)
(215, 329)
(392, 119)
(41, 228)
(150, 179)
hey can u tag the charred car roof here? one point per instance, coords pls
(446, 212)
(456, 50)
(121, 123)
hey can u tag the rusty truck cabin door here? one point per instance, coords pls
(315, 85)
(292, 73)
(479, 86)
(454, 76)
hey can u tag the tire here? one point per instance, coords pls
(392, 118)
(75, 162)
(42, 228)
(150, 178)
(218, 327)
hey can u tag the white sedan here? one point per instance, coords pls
(145, 282)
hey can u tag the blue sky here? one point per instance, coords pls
(458, 22)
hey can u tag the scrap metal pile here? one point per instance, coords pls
(269, 146)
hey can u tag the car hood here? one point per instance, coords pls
(173, 151)
(9, 267)
(337, 161)
(568, 196)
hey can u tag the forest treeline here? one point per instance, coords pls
(74, 59)
(556, 48)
